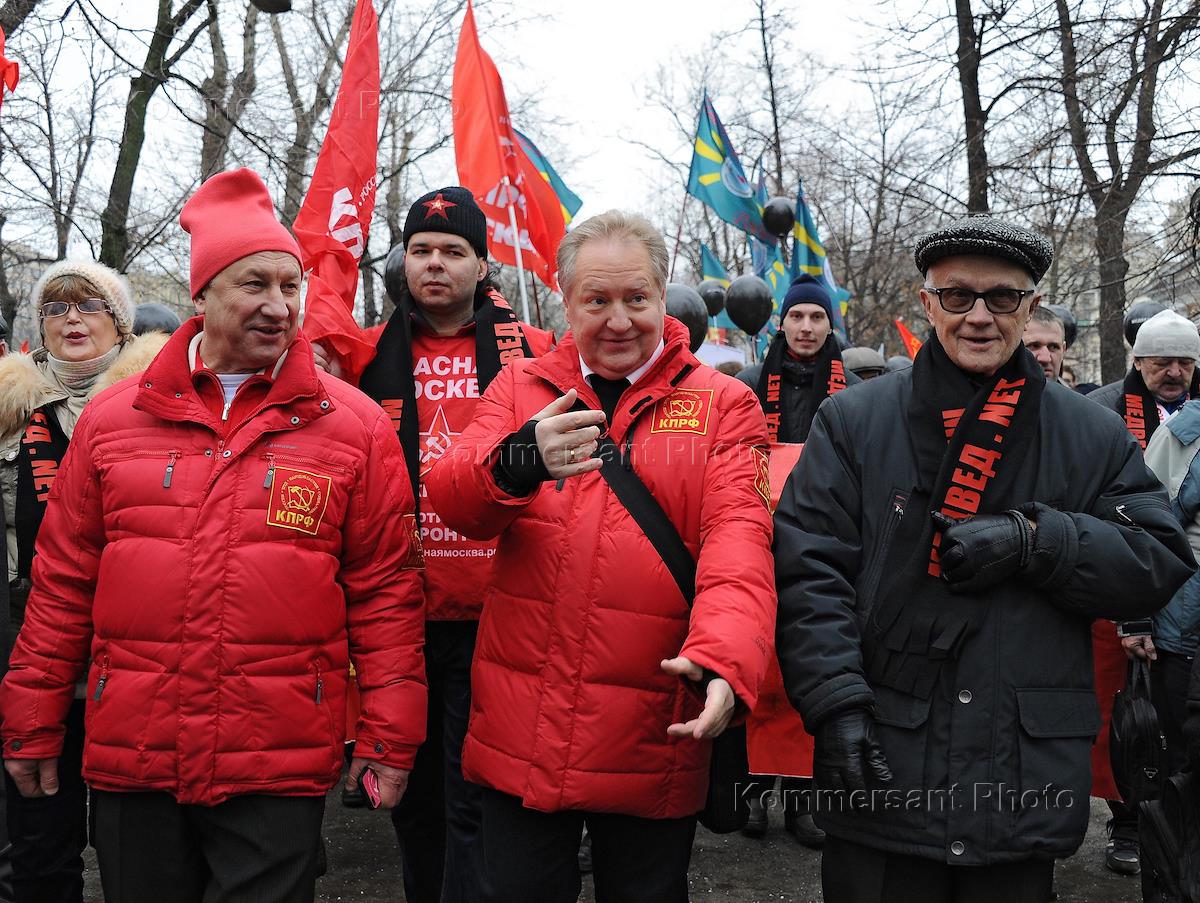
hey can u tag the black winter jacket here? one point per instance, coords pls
(1017, 715)
(795, 396)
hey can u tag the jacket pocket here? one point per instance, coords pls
(901, 725)
(1058, 727)
(897, 503)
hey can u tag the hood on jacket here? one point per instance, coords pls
(25, 386)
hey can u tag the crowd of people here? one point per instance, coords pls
(513, 588)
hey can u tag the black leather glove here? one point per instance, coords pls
(982, 551)
(847, 753)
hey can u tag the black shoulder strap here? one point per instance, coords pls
(648, 514)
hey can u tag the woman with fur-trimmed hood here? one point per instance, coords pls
(85, 314)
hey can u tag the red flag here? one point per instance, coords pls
(335, 218)
(9, 71)
(488, 153)
(911, 343)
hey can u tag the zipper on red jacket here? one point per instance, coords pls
(320, 684)
(270, 470)
(172, 457)
(102, 681)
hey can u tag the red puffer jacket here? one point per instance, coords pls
(570, 707)
(212, 570)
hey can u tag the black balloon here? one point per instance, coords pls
(779, 215)
(394, 280)
(713, 295)
(154, 317)
(749, 302)
(1070, 325)
(273, 6)
(685, 305)
(1139, 314)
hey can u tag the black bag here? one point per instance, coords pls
(726, 810)
(1169, 842)
(1137, 747)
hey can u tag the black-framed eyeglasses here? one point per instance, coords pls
(997, 300)
(87, 306)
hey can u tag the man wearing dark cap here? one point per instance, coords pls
(451, 333)
(803, 365)
(940, 549)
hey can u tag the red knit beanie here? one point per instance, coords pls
(230, 217)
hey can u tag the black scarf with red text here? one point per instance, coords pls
(389, 379)
(42, 449)
(829, 376)
(971, 439)
(1138, 407)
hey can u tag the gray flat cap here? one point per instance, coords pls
(987, 236)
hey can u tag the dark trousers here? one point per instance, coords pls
(852, 873)
(531, 855)
(48, 834)
(248, 849)
(437, 821)
(1168, 689)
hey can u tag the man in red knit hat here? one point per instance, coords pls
(224, 533)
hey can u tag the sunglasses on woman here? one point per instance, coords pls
(53, 309)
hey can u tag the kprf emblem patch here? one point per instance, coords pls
(416, 554)
(762, 476)
(298, 500)
(684, 411)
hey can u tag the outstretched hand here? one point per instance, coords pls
(718, 706)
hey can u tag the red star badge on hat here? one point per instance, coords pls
(438, 207)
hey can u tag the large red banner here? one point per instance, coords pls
(335, 218)
(492, 165)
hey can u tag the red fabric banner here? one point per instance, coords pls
(10, 72)
(335, 218)
(776, 742)
(911, 343)
(492, 165)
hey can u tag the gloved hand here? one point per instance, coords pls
(847, 753)
(979, 552)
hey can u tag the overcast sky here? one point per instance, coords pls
(591, 63)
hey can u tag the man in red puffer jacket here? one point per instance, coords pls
(596, 690)
(226, 532)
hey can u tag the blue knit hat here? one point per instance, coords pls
(807, 290)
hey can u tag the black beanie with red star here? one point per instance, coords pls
(452, 210)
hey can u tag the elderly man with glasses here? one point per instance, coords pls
(940, 550)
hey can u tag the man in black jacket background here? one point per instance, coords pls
(941, 549)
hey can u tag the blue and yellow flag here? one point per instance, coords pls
(567, 199)
(717, 177)
(710, 267)
(808, 256)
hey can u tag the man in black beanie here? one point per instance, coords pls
(451, 333)
(803, 365)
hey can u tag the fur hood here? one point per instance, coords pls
(25, 386)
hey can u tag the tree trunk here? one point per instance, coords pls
(114, 237)
(973, 115)
(13, 13)
(1113, 266)
(769, 68)
(222, 108)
